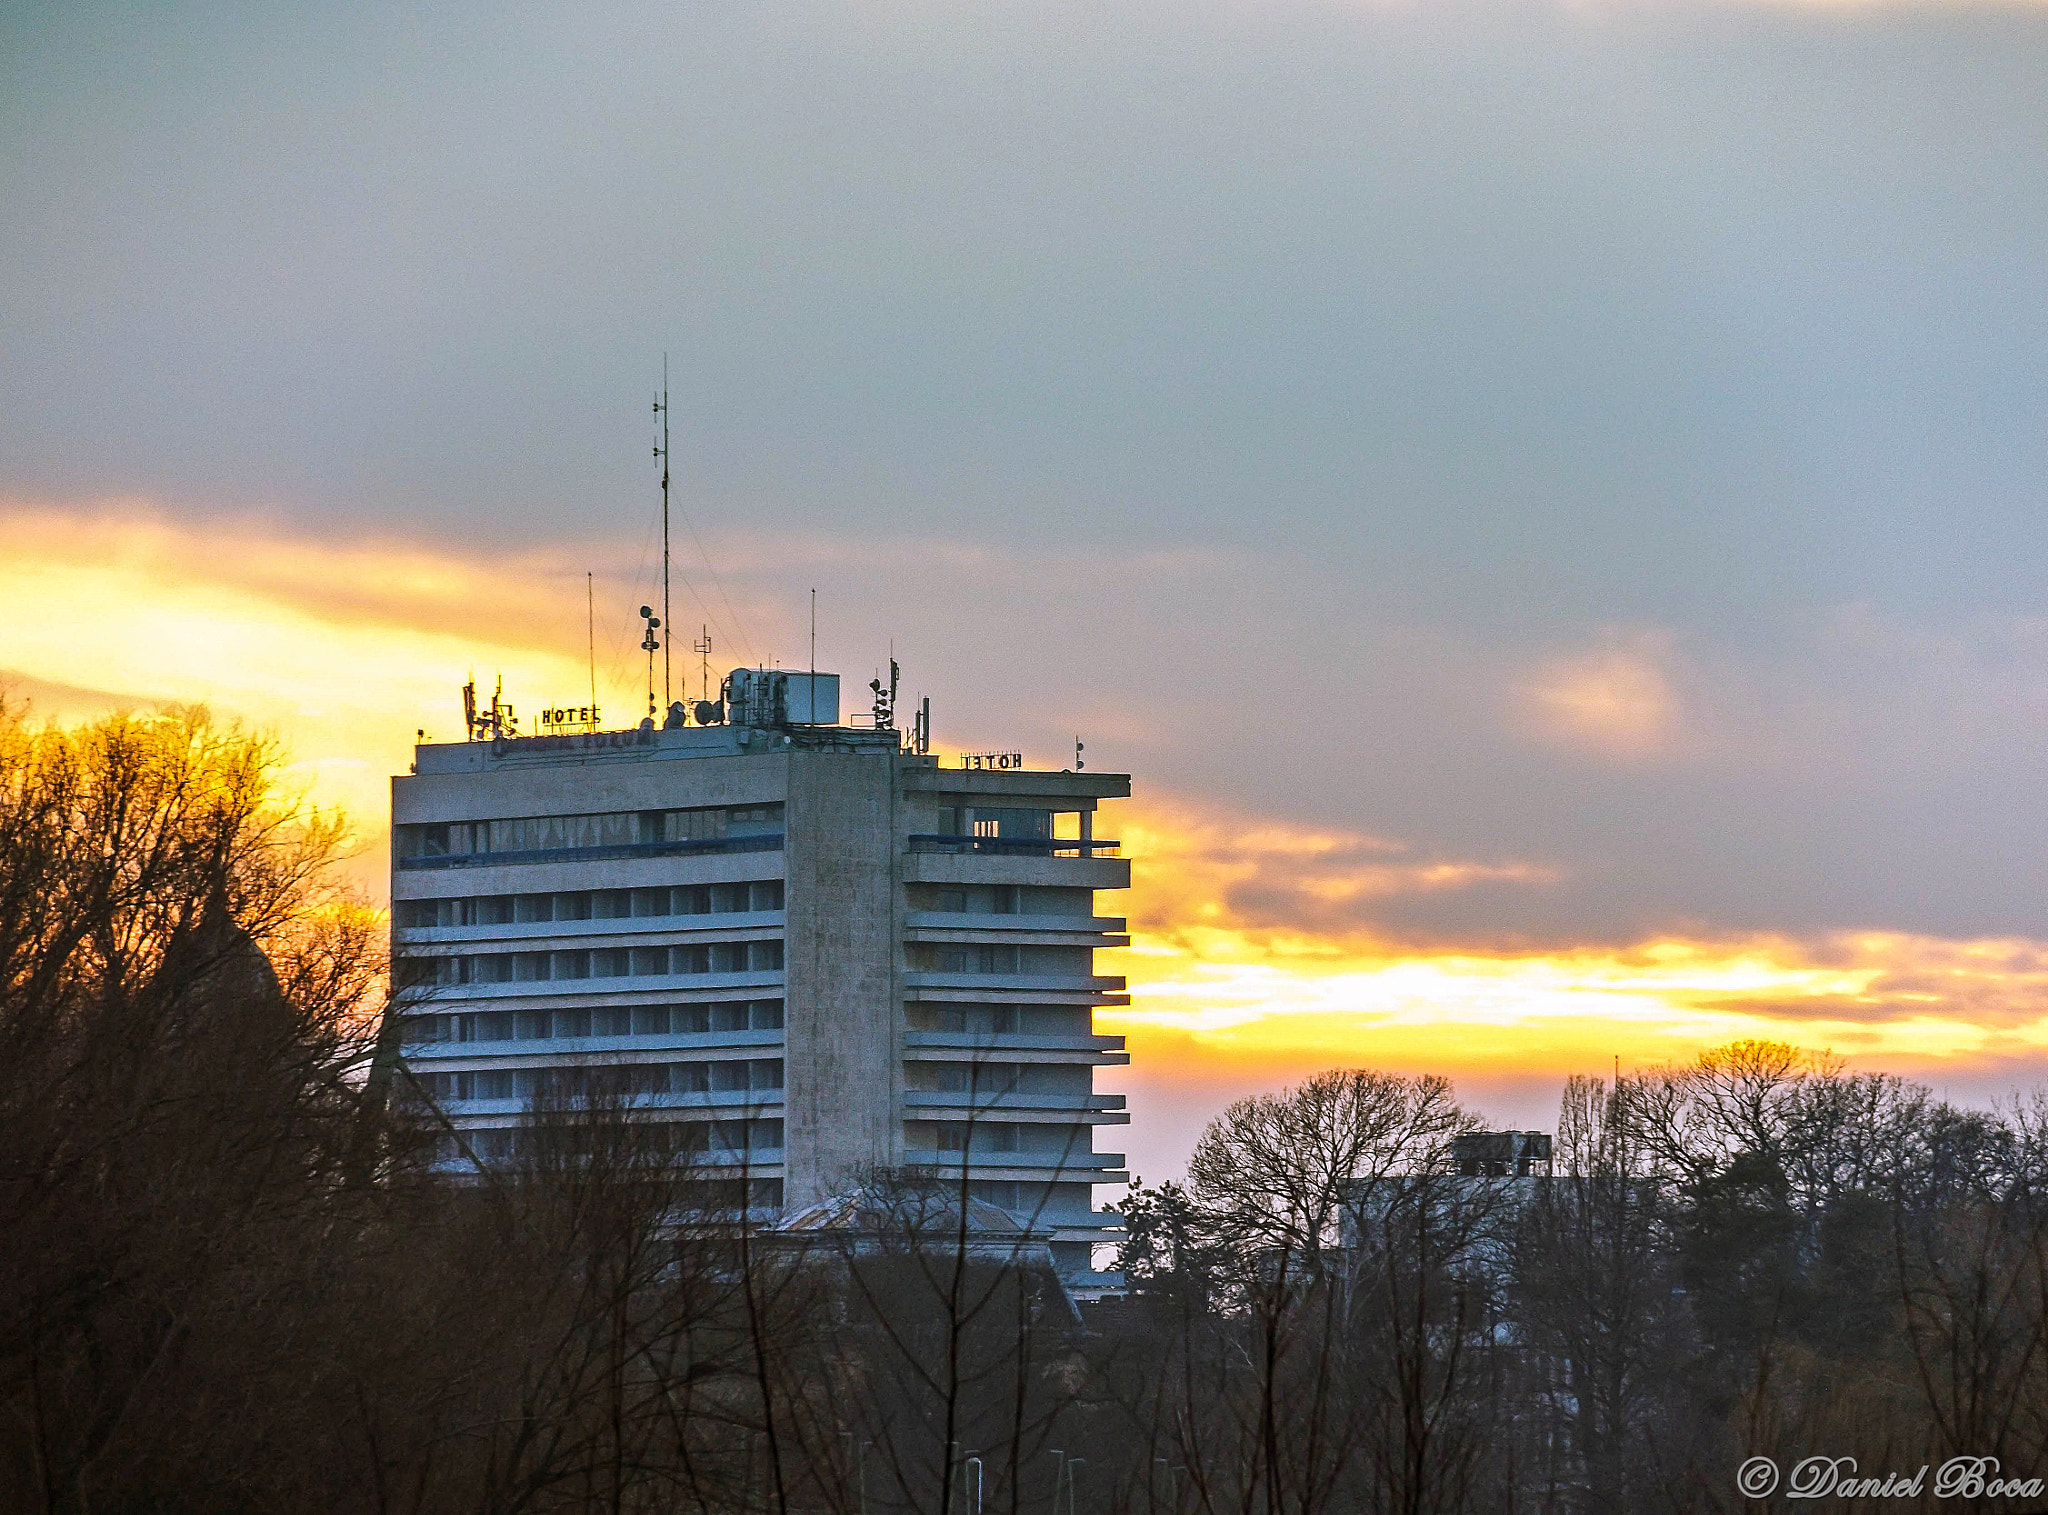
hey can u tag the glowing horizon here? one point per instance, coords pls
(1226, 996)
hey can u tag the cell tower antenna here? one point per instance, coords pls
(702, 647)
(650, 644)
(661, 452)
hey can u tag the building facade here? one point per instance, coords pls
(807, 951)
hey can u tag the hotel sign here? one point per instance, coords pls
(991, 760)
(559, 718)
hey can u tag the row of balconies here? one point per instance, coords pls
(1089, 1167)
(921, 926)
(685, 927)
(1094, 1109)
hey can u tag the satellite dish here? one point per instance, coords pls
(710, 712)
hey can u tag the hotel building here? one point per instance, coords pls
(811, 951)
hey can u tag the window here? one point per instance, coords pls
(572, 833)
(1025, 824)
(728, 1077)
(689, 1078)
(985, 1136)
(587, 904)
(745, 1135)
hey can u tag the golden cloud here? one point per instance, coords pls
(1254, 946)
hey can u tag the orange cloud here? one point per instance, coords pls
(345, 650)
(1238, 954)
(1616, 698)
(1255, 954)
(1204, 871)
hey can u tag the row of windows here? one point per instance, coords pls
(760, 1139)
(1003, 1020)
(1000, 1078)
(984, 820)
(1026, 1199)
(731, 1076)
(603, 962)
(540, 833)
(1006, 957)
(604, 1020)
(1002, 899)
(593, 904)
(1043, 1143)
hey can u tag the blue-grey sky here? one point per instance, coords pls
(1603, 441)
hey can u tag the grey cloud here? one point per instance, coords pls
(1291, 380)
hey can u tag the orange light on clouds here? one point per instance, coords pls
(1254, 958)
(345, 652)
(1253, 961)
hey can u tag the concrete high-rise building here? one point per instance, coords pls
(813, 951)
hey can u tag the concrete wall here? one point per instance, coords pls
(650, 783)
(841, 1022)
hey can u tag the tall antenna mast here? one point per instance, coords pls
(590, 629)
(702, 647)
(661, 452)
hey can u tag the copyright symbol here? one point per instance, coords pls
(1756, 1478)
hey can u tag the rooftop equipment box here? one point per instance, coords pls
(774, 697)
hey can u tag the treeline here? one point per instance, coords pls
(232, 1277)
(1755, 1254)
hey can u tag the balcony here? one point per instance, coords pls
(1006, 988)
(729, 925)
(982, 1044)
(1098, 1167)
(1091, 931)
(640, 983)
(551, 1051)
(750, 1103)
(1014, 846)
(766, 842)
(1093, 1109)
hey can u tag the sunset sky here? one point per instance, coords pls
(1548, 500)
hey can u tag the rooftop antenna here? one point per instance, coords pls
(702, 647)
(651, 644)
(814, 635)
(661, 452)
(590, 625)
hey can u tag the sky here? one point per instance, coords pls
(1547, 498)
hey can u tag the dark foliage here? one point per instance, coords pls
(231, 1278)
